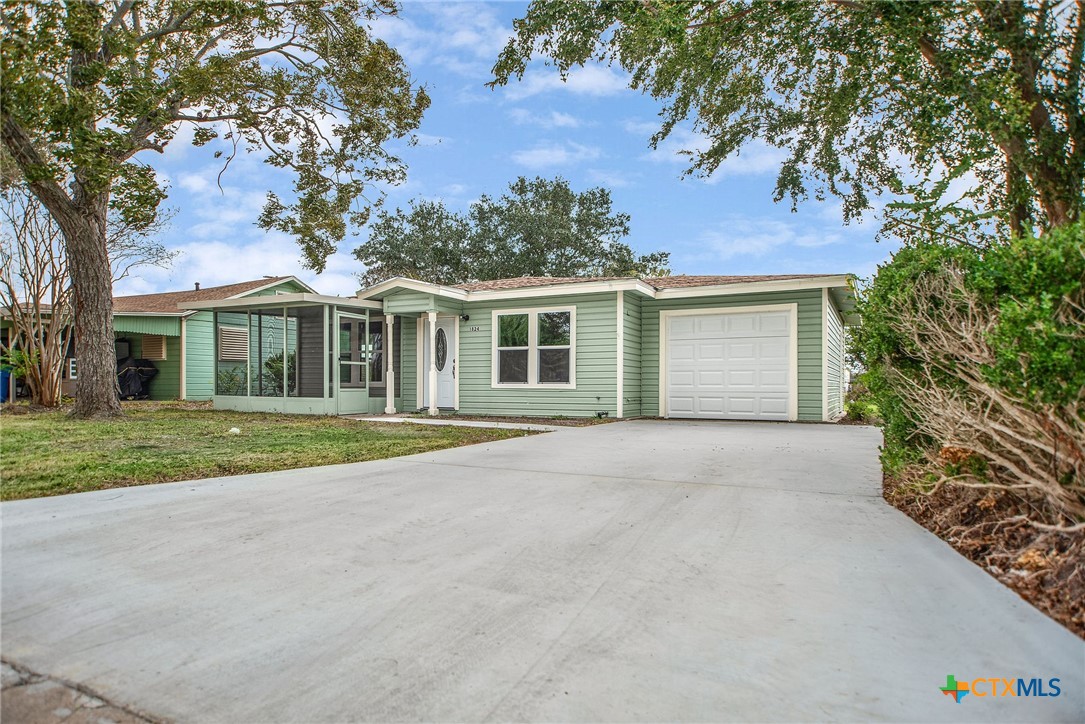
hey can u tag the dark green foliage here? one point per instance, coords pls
(541, 227)
(866, 96)
(1031, 294)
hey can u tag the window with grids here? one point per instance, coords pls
(534, 348)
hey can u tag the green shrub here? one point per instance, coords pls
(983, 351)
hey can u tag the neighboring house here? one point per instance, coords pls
(179, 342)
(712, 347)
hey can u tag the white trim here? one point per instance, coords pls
(780, 285)
(151, 314)
(533, 349)
(620, 364)
(390, 373)
(432, 317)
(419, 388)
(413, 285)
(665, 316)
(825, 354)
(280, 300)
(184, 369)
(637, 285)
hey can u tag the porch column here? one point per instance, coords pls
(432, 362)
(390, 375)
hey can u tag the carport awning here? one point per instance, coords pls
(169, 326)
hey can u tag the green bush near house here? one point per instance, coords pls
(975, 361)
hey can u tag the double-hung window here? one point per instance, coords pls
(534, 347)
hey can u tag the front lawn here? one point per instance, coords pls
(46, 453)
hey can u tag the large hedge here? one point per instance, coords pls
(956, 338)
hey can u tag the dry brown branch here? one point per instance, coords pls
(1021, 445)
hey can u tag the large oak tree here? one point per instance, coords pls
(866, 96)
(90, 86)
(540, 227)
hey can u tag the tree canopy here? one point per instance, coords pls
(866, 96)
(541, 227)
(90, 86)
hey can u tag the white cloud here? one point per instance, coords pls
(425, 139)
(553, 119)
(613, 179)
(753, 159)
(590, 80)
(547, 155)
(463, 38)
(740, 236)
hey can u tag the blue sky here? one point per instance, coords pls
(593, 130)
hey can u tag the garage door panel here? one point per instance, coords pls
(772, 379)
(772, 350)
(710, 351)
(681, 405)
(773, 406)
(775, 323)
(682, 378)
(741, 351)
(711, 405)
(710, 379)
(728, 365)
(683, 352)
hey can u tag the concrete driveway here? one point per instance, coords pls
(633, 571)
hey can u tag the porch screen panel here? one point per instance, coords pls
(305, 351)
(270, 368)
(231, 353)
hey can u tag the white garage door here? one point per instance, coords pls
(734, 366)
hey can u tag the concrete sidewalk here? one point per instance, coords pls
(637, 571)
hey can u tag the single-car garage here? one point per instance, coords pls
(731, 364)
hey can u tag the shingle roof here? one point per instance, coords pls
(673, 282)
(167, 302)
(525, 282)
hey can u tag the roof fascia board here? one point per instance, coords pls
(413, 285)
(783, 285)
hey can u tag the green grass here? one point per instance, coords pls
(47, 453)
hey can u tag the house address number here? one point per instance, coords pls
(474, 328)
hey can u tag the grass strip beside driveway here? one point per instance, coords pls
(48, 453)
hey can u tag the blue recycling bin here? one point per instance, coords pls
(5, 384)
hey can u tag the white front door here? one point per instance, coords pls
(446, 363)
(729, 366)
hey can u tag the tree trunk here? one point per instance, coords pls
(92, 284)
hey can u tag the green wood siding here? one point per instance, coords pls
(631, 358)
(147, 324)
(166, 385)
(596, 361)
(200, 356)
(834, 332)
(809, 334)
(408, 352)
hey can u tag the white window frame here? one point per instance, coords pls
(532, 348)
(73, 369)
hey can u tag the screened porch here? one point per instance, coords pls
(304, 354)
